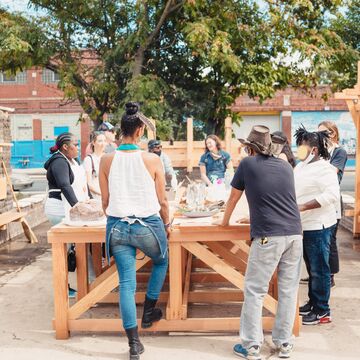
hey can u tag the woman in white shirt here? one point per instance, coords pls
(92, 162)
(317, 192)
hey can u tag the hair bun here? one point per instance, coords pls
(131, 108)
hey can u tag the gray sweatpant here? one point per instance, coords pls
(284, 252)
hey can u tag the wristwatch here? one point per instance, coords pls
(167, 225)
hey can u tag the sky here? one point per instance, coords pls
(17, 5)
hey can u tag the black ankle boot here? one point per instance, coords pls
(136, 347)
(151, 314)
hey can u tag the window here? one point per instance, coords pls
(49, 76)
(19, 78)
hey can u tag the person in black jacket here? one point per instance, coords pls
(60, 177)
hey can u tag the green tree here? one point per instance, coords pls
(186, 57)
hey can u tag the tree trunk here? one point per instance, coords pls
(139, 62)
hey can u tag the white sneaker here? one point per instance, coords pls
(285, 350)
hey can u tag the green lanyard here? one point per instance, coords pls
(128, 147)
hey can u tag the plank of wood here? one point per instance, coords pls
(227, 256)
(98, 292)
(226, 271)
(111, 270)
(230, 324)
(186, 287)
(175, 282)
(96, 255)
(204, 296)
(60, 283)
(10, 216)
(81, 270)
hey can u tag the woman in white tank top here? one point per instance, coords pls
(132, 186)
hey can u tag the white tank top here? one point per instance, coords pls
(131, 187)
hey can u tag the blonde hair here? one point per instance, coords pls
(333, 129)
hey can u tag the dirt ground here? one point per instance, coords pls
(26, 311)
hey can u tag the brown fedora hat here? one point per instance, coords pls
(259, 139)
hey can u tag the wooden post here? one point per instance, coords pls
(228, 134)
(190, 144)
(151, 134)
(61, 299)
(352, 98)
(81, 270)
(356, 226)
(174, 308)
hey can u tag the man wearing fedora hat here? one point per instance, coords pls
(276, 234)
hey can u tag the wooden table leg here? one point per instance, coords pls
(81, 270)
(61, 300)
(174, 310)
(97, 258)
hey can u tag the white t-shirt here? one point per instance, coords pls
(317, 180)
(94, 181)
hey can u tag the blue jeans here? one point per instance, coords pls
(316, 256)
(124, 241)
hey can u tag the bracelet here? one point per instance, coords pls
(167, 225)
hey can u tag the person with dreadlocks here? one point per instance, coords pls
(317, 192)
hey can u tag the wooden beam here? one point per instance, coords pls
(226, 271)
(186, 287)
(210, 296)
(97, 293)
(193, 324)
(61, 298)
(173, 310)
(228, 134)
(227, 256)
(189, 145)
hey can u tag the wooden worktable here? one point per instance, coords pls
(217, 254)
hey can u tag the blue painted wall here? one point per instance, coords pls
(30, 153)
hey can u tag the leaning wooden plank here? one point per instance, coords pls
(227, 256)
(186, 287)
(227, 271)
(190, 324)
(94, 296)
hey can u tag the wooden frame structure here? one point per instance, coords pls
(199, 253)
(352, 98)
(186, 154)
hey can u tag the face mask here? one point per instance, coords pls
(303, 156)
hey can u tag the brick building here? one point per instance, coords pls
(41, 114)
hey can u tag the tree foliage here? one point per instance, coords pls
(182, 57)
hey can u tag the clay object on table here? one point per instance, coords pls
(86, 211)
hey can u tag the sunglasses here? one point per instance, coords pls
(158, 147)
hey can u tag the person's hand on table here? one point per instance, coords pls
(243, 220)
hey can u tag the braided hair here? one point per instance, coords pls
(64, 138)
(318, 139)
